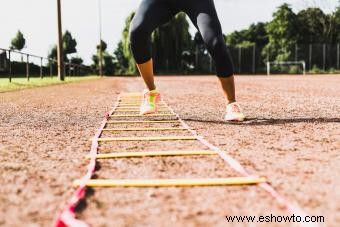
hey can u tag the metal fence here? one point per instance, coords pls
(319, 58)
(16, 64)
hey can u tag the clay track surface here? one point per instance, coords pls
(291, 137)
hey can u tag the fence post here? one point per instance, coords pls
(240, 59)
(268, 54)
(254, 57)
(310, 56)
(210, 63)
(338, 56)
(41, 69)
(167, 65)
(296, 52)
(268, 68)
(196, 58)
(304, 67)
(51, 70)
(69, 69)
(324, 57)
(27, 68)
(10, 66)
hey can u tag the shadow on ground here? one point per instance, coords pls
(270, 121)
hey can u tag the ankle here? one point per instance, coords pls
(152, 88)
(230, 101)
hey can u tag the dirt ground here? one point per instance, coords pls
(291, 137)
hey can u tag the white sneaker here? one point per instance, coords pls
(150, 102)
(234, 113)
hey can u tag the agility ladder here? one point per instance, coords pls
(129, 103)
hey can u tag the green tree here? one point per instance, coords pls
(77, 60)
(313, 26)
(69, 43)
(122, 61)
(52, 56)
(283, 34)
(125, 63)
(18, 42)
(197, 57)
(53, 53)
(236, 37)
(255, 34)
(103, 45)
(108, 63)
(335, 18)
(170, 42)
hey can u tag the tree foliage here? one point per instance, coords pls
(103, 45)
(335, 19)
(18, 42)
(255, 34)
(282, 33)
(313, 30)
(53, 53)
(69, 43)
(107, 62)
(279, 36)
(123, 55)
(175, 50)
(76, 60)
(176, 38)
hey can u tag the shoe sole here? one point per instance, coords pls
(148, 113)
(235, 119)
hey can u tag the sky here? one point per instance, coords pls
(37, 19)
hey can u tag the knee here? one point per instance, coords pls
(219, 52)
(214, 43)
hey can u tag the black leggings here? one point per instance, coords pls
(153, 13)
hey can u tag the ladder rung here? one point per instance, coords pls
(138, 115)
(137, 102)
(129, 94)
(137, 110)
(156, 138)
(130, 98)
(131, 101)
(142, 129)
(134, 122)
(173, 182)
(136, 105)
(128, 108)
(151, 154)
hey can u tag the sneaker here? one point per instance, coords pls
(234, 113)
(150, 102)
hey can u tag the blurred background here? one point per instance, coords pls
(291, 32)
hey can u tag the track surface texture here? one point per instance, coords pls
(291, 137)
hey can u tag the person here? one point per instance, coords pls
(152, 14)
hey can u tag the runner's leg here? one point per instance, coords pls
(204, 16)
(150, 15)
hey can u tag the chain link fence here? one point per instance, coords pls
(251, 60)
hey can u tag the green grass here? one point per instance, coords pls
(22, 83)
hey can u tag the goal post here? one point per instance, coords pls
(270, 64)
